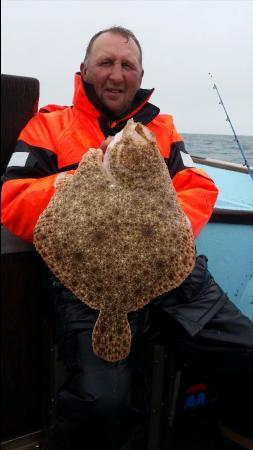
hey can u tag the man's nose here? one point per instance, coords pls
(116, 73)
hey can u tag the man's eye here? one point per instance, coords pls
(105, 63)
(127, 66)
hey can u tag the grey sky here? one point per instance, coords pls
(182, 41)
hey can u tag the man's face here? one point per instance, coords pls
(114, 69)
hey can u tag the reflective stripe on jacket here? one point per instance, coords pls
(56, 138)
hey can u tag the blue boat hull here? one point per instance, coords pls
(227, 240)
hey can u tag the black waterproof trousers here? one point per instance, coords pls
(102, 404)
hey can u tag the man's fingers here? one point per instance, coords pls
(105, 143)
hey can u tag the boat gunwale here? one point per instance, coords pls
(220, 164)
(232, 216)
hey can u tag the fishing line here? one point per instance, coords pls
(235, 135)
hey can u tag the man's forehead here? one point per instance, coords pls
(111, 42)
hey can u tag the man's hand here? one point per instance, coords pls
(105, 143)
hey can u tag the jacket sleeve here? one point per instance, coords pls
(29, 178)
(196, 191)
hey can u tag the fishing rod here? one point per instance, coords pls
(235, 135)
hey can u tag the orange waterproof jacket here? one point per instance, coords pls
(56, 138)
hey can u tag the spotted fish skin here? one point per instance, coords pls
(111, 337)
(115, 235)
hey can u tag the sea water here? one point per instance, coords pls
(217, 146)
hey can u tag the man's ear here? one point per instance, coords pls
(83, 70)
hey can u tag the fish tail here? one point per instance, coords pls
(111, 338)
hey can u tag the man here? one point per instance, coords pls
(101, 404)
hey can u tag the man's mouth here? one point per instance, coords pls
(114, 91)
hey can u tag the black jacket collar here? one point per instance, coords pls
(139, 113)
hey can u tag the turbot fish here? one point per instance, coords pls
(114, 234)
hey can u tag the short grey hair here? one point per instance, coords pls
(127, 34)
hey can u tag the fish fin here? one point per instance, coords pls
(111, 338)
